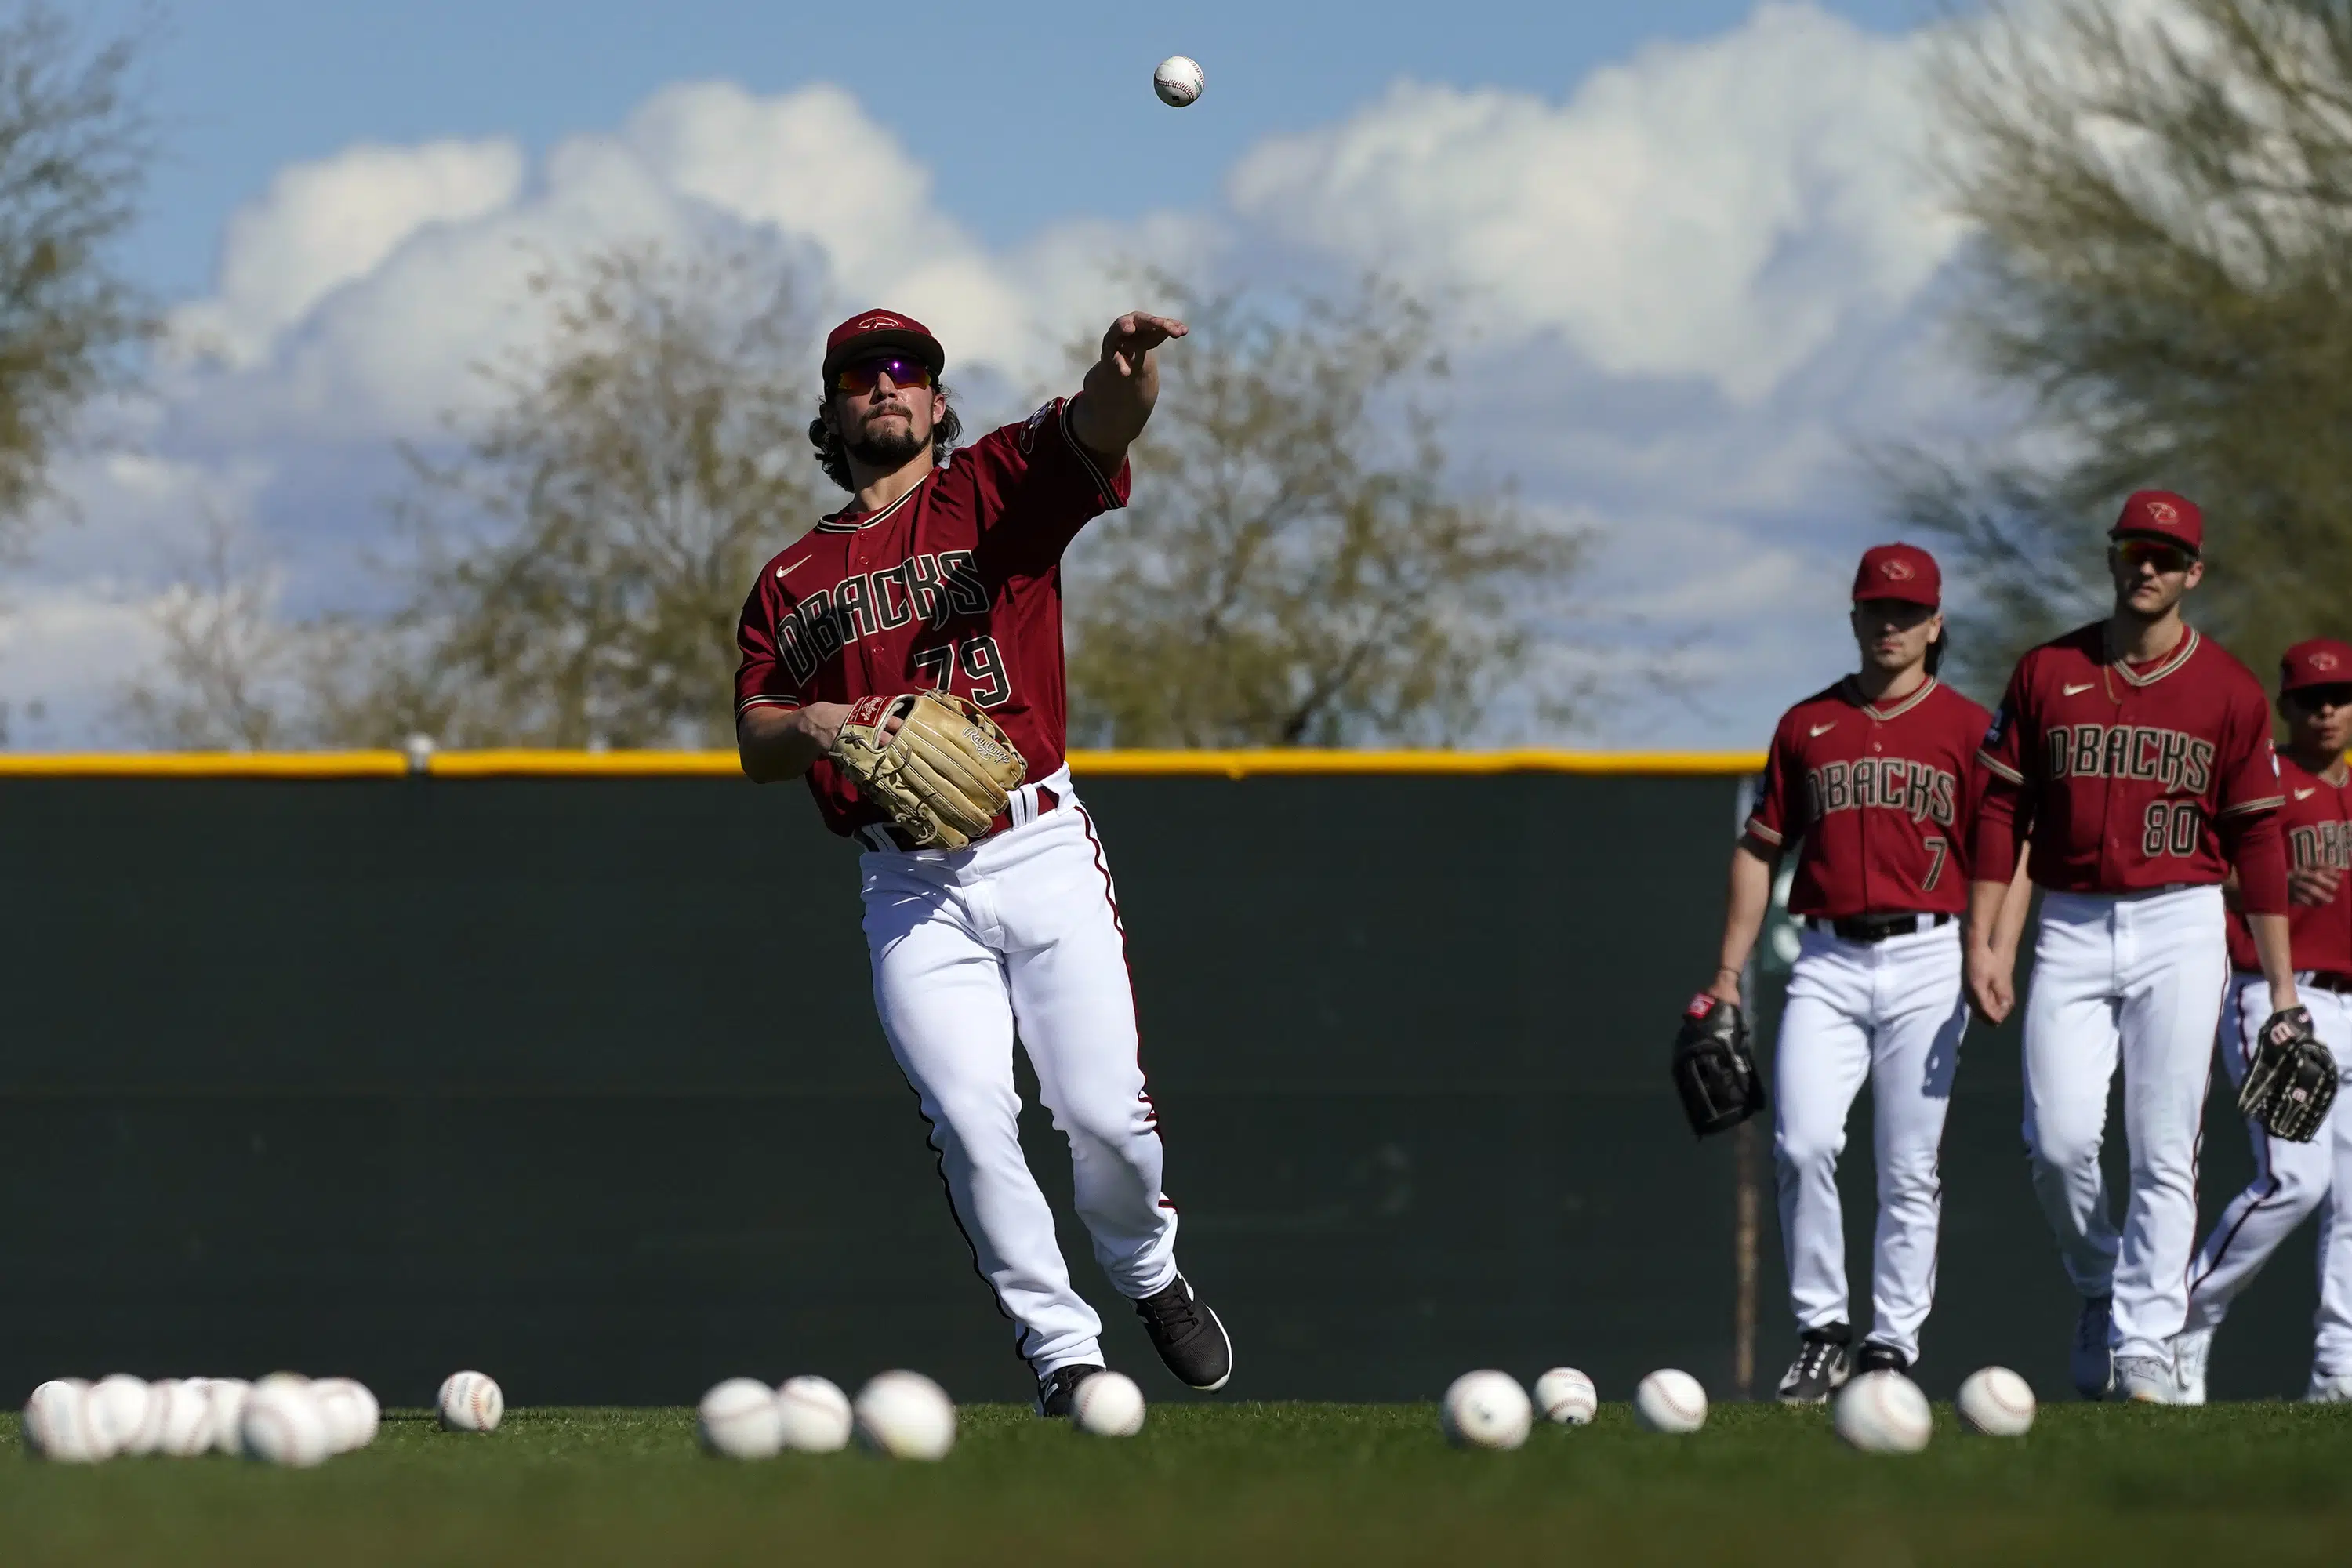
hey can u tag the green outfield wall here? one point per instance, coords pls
(576, 1079)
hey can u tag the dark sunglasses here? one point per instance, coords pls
(2151, 552)
(860, 376)
(2312, 699)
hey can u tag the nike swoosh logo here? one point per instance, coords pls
(2076, 690)
(1819, 730)
(2305, 794)
(793, 567)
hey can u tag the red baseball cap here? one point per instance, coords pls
(2160, 514)
(1902, 572)
(871, 331)
(2317, 661)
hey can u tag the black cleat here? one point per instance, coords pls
(2089, 1359)
(1822, 1367)
(1874, 1357)
(1188, 1337)
(1058, 1387)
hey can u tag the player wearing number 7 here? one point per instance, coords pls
(2135, 757)
(944, 574)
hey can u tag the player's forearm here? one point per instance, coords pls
(1988, 907)
(2276, 950)
(2009, 926)
(1747, 895)
(780, 743)
(1113, 406)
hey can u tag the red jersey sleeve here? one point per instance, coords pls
(761, 678)
(2003, 814)
(2248, 805)
(1035, 486)
(1784, 784)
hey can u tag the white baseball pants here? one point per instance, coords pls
(2290, 1181)
(1020, 933)
(1892, 1012)
(2134, 978)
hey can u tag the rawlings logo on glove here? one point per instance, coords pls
(943, 778)
(2291, 1081)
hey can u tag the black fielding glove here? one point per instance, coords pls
(1713, 1072)
(2291, 1082)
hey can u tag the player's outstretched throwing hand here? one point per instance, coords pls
(1134, 335)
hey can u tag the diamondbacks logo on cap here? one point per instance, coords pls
(2323, 659)
(1896, 571)
(875, 324)
(2163, 512)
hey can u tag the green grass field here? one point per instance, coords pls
(1222, 1484)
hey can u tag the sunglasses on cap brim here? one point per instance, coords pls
(2162, 555)
(863, 375)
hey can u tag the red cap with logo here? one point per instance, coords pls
(2160, 514)
(872, 332)
(1902, 572)
(2317, 661)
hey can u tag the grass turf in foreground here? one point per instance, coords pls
(1228, 1484)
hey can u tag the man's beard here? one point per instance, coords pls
(889, 451)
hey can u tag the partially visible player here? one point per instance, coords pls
(2135, 756)
(2292, 1179)
(1874, 781)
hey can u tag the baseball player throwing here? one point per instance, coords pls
(905, 657)
(2135, 757)
(1877, 776)
(2293, 1178)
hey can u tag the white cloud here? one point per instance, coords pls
(1716, 209)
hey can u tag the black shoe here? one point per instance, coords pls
(2089, 1359)
(1822, 1367)
(1058, 1387)
(1188, 1337)
(1873, 1357)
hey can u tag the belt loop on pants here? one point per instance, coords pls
(1022, 807)
(1876, 928)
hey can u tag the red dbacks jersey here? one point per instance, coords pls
(2128, 775)
(2317, 822)
(956, 585)
(1881, 796)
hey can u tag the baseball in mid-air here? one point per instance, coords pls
(1883, 1413)
(1996, 1402)
(1566, 1395)
(1107, 1405)
(1487, 1410)
(1179, 80)
(1670, 1401)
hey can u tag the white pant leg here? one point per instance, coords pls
(1921, 1017)
(1067, 957)
(2175, 966)
(2290, 1179)
(1819, 1062)
(945, 1006)
(2070, 1059)
(2332, 1350)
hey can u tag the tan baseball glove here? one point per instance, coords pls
(943, 778)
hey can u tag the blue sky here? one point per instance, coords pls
(1710, 217)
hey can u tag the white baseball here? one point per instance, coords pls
(228, 1396)
(1566, 1395)
(1107, 1405)
(906, 1416)
(1670, 1401)
(1883, 1413)
(738, 1420)
(1487, 1410)
(181, 1409)
(58, 1425)
(118, 1414)
(471, 1402)
(282, 1423)
(1996, 1402)
(1179, 80)
(813, 1416)
(351, 1411)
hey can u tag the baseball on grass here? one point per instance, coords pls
(1107, 1405)
(118, 1414)
(471, 1402)
(1179, 80)
(813, 1416)
(905, 1415)
(1996, 1402)
(738, 1420)
(1487, 1409)
(228, 1396)
(1883, 1413)
(351, 1410)
(283, 1424)
(58, 1425)
(1670, 1401)
(1566, 1395)
(182, 1409)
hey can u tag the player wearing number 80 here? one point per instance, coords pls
(1877, 776)
(2135, 757)
(945, 572)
